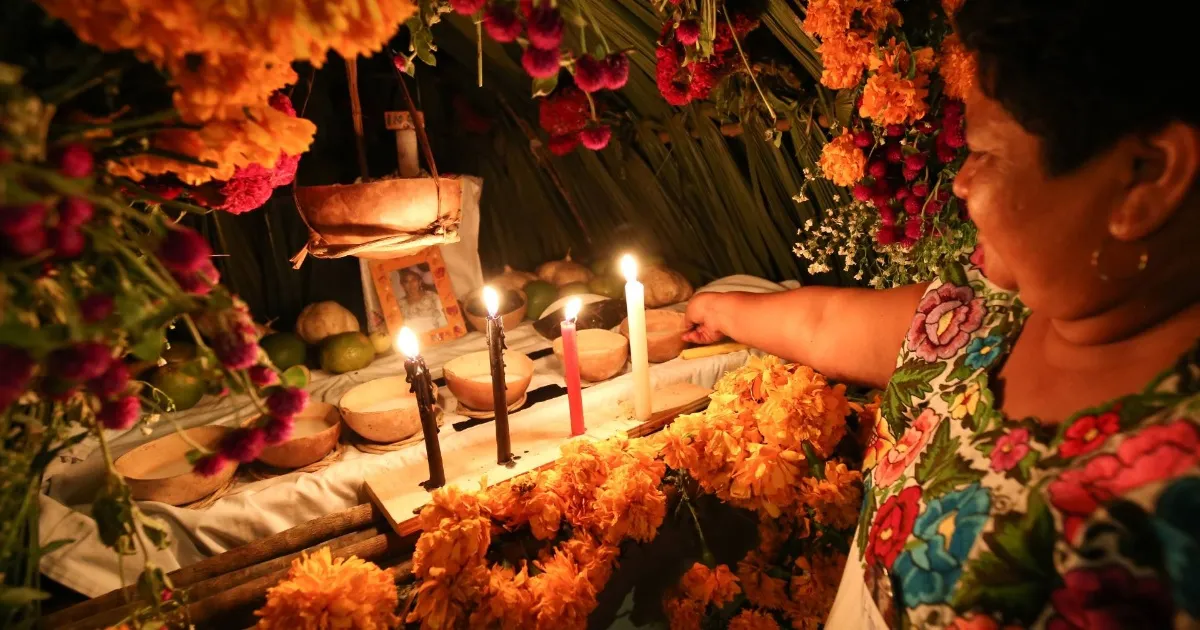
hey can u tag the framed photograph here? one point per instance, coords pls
(415, 291)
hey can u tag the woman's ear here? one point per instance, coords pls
(1165, 166)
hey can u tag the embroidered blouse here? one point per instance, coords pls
(974, 520)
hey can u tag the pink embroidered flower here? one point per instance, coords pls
(977, 257)
(906, 449)
(1156, 453)
(1010, 449)
(944, 322)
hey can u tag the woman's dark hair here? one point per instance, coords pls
(1081, 74)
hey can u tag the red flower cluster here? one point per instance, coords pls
(900, 170)
(565, 116)
(34, 228)
(251, 186)
(680, 84)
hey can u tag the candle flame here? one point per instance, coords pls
(491, 300)
(407, 342)
(572, 309)
(629, 267)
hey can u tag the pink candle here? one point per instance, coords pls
(571, 365)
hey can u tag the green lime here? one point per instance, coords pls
(181, 383)
(575, 288)
(539, 294)
(346, 352)
(609, 286)
(285, 349)
(383, 342)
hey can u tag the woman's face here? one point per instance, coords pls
(412, 284)
(1037, 231)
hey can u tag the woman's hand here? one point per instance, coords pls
(704, 312)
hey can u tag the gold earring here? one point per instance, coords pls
(1103, 261)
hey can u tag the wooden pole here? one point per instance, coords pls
(288, 541)
(360, 142)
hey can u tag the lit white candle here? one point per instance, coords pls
(635, 301)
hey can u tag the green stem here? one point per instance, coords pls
(596, 27)
(168, 115)
(750, 70)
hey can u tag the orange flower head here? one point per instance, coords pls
(321, 592)
(752, 619)
(683, 613)
(843, 60)
(710, 586)
(842, 161)
(957, 67)
(836, 499)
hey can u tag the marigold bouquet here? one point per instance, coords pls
(535, 552)
(902, 145)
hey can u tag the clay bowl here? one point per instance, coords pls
(512, 309)
(383, 410)
(314, 435)
(159, 470)
(664, 334)
(602, 353)
(469, 378)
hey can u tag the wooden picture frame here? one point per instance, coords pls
(393, 277)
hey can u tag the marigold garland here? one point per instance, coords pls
(321, 592)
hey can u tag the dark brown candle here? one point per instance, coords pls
(496, 346)
(421, 385)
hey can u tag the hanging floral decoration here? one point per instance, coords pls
(99, 164)
(902, 145)
(535, 551)
(697, 49)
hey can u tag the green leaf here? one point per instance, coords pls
(157, 531)
(543, 87)
(19, 596)
(816, 465)
(961, 371)
(910, 381)
(114, 520)
(422, 40)
(868, 513)
(295, 376)
(193, 456)
(954, 273)
(1017, 573)
(151, 583)
(843, 107)
(941, 469)
(150, 346)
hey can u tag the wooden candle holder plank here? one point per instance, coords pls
(399, 496)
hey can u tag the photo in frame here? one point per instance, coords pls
(416, 291)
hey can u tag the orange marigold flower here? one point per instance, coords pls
(507, 602)
(683, 613)
(836, 499)
(441, 604)
(751, 619)
(828, 19)
(217, 86)
(814, 585)
(769, 475)
(630, 504)
(843, 60)
(321, 592)
(957, 67)
(879, 14)
(563, 593)
(891, 98)
(456, 534)
(710, 586)
(762, 589)
(951, 6)
(842, 161)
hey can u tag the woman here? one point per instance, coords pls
(1036, 459)
(421, 307)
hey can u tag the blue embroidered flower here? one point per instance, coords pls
(1178, 527)
(983, 351)
(942, 537)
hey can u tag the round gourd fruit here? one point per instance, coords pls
(346, 352)
(284, 349)
(607, 285)
(563, 272)
(664, 286)
(511, 280)
(180, 383)
(539, 295)
(324, 319)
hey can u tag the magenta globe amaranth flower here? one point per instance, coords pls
(210, 465)
(278, 430)
(113, 382)
(244, 445)
(501, 23)
(286, 402)
(120, 414)
(539, 63)
(184, 251)
(589, 74)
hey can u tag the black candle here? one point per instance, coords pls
(495, 341)
(422, 386)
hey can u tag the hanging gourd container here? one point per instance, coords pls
(387, 217)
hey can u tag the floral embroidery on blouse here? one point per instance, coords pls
(984, 522)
